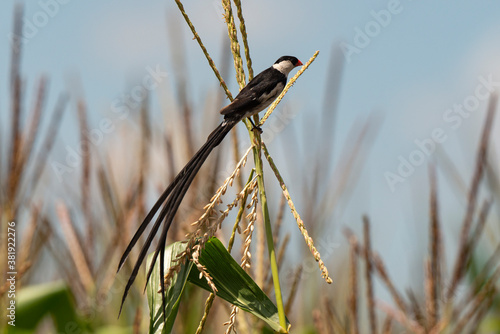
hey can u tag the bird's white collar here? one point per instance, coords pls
(284, 67)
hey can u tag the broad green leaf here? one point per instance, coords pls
(234, 284)
(113, 330)
(172, 294)
(34, 303)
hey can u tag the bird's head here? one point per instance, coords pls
(286, 63)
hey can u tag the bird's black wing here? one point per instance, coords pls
(251, 95)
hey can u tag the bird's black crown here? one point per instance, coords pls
(292, 59)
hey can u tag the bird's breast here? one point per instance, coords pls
(273, 93)
(265, 100)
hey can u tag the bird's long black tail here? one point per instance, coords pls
(170, 199)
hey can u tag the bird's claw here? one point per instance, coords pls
(254, 126)
(257, 128)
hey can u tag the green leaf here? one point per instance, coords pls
(172, 294)
(113, 330)
(234, 284)
(34, 303)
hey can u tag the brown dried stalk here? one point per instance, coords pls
(433, 269)
(332, 319)
(48, 142)
(461, 260)
(401, 317)
(481, 297)
(415, 308)
(293, 289)
(379, 266)
(75, 247)
(16, 110)
(353, 295)
(85, 180)
(387, 326)
(32, 130)
(369, 276)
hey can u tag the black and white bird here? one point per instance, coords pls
(256, 96)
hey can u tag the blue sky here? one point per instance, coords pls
(427, 57)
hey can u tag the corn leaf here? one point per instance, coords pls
(234, 284)
(37, 302)
(172, 294)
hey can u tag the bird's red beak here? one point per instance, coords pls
(299, 63)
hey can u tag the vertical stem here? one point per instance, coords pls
(269, 233)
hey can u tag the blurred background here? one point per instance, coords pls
(398, 86)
